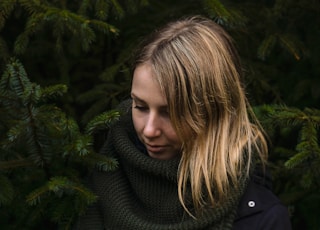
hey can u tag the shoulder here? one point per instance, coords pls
(259, 208)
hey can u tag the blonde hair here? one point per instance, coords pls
(198, 70)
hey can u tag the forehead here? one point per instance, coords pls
(145, 87)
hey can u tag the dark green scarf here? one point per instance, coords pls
(142, 192)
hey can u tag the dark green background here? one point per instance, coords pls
(87, 46)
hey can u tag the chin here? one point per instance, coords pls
(162, 156)
(159, 156)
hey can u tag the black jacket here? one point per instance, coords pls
(260, 209)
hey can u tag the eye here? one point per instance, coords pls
(140, 108)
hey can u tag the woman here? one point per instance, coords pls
(188, 153)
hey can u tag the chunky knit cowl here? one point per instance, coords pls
(141, 194)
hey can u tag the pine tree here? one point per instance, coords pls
(295, 158)
(43, 155)
(79, 52)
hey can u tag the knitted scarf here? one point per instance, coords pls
(141, 194)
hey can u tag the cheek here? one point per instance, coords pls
(171, 133)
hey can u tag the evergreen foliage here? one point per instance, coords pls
(306, 154)
(80, 52)
(295, 157)
(43, 154)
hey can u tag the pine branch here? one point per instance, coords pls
(34, 23)
(223, 15)
(102, 8)
(33, 6)
(28, 94)
(290, 45)
(306, 157)
(297, 159)
(38, 155)
(81, 146)
(52, 92)
(6, 8)
(63, 22)
(216, 9)
(109, 73)
(266, 46)
(88, 35)
(60, 186)
(16, 81)
(48, 145)
(72, 129)
(101, 162)
(118, 8)
(104, 27)
(307, 149)
(15, 78)
(103, 96)
(7, 98)
(102, 121)
(99, 106)
(282, 115)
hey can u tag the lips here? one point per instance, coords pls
(155, 148)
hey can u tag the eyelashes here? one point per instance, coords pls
(144, 109)
(140, 108)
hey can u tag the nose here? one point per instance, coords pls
(152, 126)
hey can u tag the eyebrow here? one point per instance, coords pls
(136, 98)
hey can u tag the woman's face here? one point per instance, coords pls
(151, 116)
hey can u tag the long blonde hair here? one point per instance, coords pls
(198, 69)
